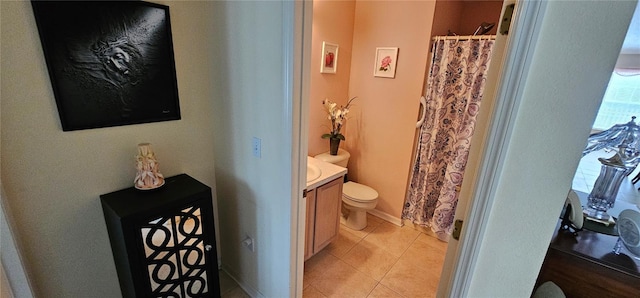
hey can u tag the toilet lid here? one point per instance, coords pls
(359, 192)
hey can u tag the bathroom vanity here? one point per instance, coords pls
(324, 201)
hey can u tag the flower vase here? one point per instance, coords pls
(148, 175)
(605, 190)
(334, 144)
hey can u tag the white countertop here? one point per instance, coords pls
(328, 173)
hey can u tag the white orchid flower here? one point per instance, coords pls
(337, 115)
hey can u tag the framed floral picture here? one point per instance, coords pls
(329, 63)
(385, 63)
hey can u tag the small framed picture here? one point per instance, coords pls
(329, 63)
(385, 63)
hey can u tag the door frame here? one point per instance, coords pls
(463, 256)
(462, 259)
(299, 14)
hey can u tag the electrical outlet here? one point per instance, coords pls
(256, 146)
(248, 243)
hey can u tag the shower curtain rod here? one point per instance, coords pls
(463, 37)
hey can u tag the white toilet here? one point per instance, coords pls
(356, 198)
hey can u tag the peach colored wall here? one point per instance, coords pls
(476, 12)
(447, 17)
(464, 17)
(333, 23)
(381, 130)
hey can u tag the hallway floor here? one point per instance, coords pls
(229, 288)
(383, 260)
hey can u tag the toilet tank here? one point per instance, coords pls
(342, 159)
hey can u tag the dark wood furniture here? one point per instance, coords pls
(163, 240)
(585, 266)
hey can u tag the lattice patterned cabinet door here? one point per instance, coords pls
(163, 241)
(175, 254)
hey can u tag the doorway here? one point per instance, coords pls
(484, 254)
(362, 126)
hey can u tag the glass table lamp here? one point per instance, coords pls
(605, 190)
(627, 134)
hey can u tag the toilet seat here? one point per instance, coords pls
(358, 192)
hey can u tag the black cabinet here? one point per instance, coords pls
(163, 240)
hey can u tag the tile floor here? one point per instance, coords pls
(383, 260)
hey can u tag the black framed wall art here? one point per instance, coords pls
(110, 63)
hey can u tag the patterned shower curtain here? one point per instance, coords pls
(454, 90)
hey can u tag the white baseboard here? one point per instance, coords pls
(399, 222)
(246, 288)
(386, 216)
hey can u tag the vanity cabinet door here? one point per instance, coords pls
(311, 218)
(327, 214)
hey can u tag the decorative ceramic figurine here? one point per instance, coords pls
(148, 176)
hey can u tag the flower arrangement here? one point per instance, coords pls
(385, 63)
(337, 115)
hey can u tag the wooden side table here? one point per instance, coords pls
(585, 266)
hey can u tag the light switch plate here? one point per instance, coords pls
(256, 145)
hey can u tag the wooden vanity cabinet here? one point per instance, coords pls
(323, 216)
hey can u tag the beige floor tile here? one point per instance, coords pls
(424, 255)
(343, 243)
(312, 292)
(393, 238)
(411, 281)
(405, 261)
(433, 242)
(315, 267)
(342, 280)
(380, 291)
(370, 259)
(372, 223)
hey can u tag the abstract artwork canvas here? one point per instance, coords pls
(110, 63)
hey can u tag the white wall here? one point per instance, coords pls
(569, 72)
(251, 100)
(53, 179)
(13, 280)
